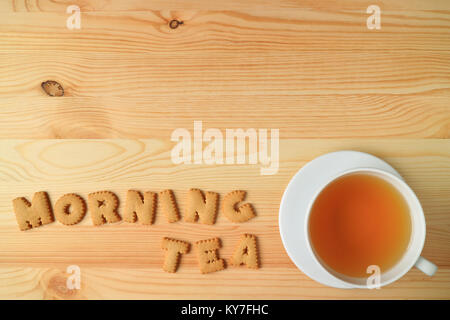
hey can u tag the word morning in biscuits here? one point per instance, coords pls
(103, 206)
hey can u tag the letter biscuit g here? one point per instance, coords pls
(241, 214)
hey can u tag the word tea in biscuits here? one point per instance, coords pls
(103, 207)
(243, 213)
(174, 249)
(140, 208)
(246, 252)
(201, 208)
(207, 255)
(70, 209)
(33, 215)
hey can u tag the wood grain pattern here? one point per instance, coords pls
(262, 5)
(297, 116)
(309, 68)
(341, 79)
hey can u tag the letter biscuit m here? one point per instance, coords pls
(33, 215)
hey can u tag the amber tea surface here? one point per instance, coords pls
(359, 220)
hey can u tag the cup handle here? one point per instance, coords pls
(427, 267)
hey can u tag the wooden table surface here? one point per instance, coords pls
(311, 69)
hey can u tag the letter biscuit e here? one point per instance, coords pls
(207, 255)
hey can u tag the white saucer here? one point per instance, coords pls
(297, 196)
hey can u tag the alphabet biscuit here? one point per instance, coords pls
(103, 207)
(169, 205)
(208, 257)
(174, 249)
(243, 213)
(140, 208)
(246, 252)
(33, 215)
(70, 209)
(202, 208)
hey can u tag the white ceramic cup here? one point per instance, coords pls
(411, 256)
